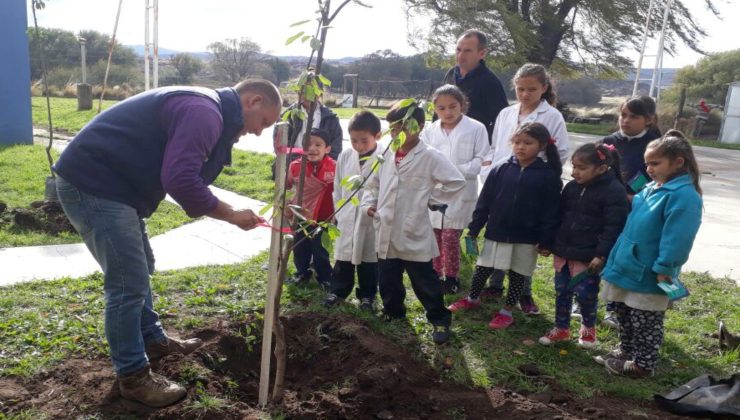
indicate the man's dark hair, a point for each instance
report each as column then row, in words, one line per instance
column 396, row 114
column 365, row 121
column 261, row 87
column 322, row 134
column 482, row 41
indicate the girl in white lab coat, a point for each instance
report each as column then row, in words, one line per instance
column 465, row 142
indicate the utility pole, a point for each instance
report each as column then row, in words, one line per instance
column 659, row 58
column 152, row 10
column 83, row 53
column 84, row 90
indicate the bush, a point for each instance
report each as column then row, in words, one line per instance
column 582, row 91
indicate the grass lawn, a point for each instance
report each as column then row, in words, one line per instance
column 64, row 113
column 22, row 184
column 595, row 129
column 715, row 144
column 44, row 322
column 250, row 174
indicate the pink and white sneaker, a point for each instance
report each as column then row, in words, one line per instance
column 555, row 335
column 463, row 304
column 587, row 339
column 500, row 321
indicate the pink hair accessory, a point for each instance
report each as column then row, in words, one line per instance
column 600, row 154
column 551, row 140
column 610, row 147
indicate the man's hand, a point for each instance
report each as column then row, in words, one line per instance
column 245, row 219
column 596, row 265
column 371, row 211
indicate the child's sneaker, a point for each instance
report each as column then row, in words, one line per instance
column 493, row 293
column 331, row 300
column 614, row 354
column 575, row 312
column 587, row 339
column 299, row 280
column 555, row 335
column 366, row 305
column 627, row 368
column 610, row 320
column 441, row 334
column 463, row 304
column 528, row 306
column 501, row 321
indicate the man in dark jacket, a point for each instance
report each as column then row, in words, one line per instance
column 113, row 175
column 483, row 89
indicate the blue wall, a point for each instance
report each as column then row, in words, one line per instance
column 15, row 75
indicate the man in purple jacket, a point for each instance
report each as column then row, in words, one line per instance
column 114, row 174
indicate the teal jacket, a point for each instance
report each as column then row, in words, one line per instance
column 658, row 236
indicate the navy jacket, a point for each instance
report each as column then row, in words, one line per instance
column 592, row 217
column 519, row 205
column 632, row 153
column 484, row 92
column 118, row 155
column 329, row 123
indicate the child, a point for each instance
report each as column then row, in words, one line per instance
column 317, row 204
column 636, row 129
column 465, row 142
column 355, row 247
column 398, row 196
column 536, row 98
column 655, row 243
column 594, row 208
column 520, row 202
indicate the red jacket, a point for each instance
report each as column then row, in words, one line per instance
column 317, row 188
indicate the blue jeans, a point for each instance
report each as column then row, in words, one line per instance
column 116, row 236
column 586, row 293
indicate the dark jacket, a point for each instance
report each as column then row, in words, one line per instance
column 592, row 217
column 520, row 205
column 118, row 155
column 329, row 123
column 632, row 153
column 484, row 92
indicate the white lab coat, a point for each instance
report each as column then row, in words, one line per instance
column 467, row 147
column 401, row 194
column 356, row 241
column 507, row 123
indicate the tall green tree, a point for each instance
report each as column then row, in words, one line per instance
column 572, row 34
column 234, row 59
column 708, row 78
column 187, row 66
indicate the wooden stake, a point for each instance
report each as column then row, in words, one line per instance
column 275, row 251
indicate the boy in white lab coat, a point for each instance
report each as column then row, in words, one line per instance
column 398, row 196
column 355, row 247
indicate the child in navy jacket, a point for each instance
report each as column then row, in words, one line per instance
column 519, row 204
column 593, row 209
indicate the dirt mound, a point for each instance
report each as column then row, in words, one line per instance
column 42, row 216
column 337, row 368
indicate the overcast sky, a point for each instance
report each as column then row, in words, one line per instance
column 190, row 25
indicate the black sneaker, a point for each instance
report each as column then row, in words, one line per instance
column 450, row 286
column 298, row 280
column 366, row 305
column 332, row 300
column 441, row 334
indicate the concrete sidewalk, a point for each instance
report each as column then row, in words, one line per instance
column 203, row 242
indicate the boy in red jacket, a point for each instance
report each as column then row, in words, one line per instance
column 317, row 206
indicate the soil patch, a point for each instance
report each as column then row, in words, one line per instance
column 337, row 368
column 42, row 216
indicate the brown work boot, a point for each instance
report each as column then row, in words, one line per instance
column 150, row 388
column 158, row 349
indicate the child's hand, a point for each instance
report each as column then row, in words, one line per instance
column 371, row 211
column 544, row 252
column 596, row 265
column 663, row 277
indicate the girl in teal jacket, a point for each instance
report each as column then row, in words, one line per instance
column 655, row 243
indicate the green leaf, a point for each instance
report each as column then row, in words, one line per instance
column 299, row 23
column 315, row 44
column 293, row 38
column 324, row 80
column 406, row 102
column 305, row 38
column 298, row 113
column 333, row 232
column 409, row 113
column 325, row 241
column 265, row 209
column 341, row 202
column 362, row 159
column 355, row 201
column 316, row 88
column 401, row 138
column 412, row 126
column 354, row 182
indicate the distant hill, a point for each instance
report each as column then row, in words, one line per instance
column 167, row 52
column 646, row 74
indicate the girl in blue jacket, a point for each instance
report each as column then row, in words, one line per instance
column 655, row 243
column 519, row 207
